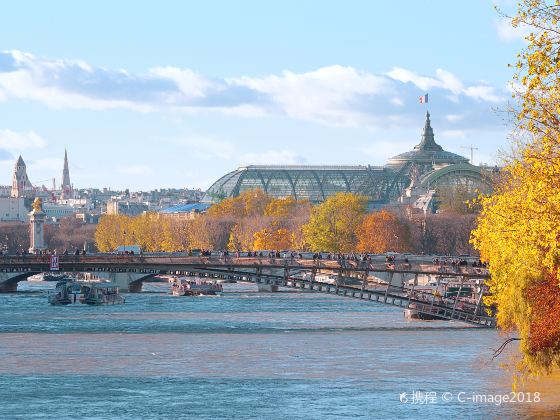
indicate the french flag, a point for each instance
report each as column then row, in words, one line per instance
column 424, row 99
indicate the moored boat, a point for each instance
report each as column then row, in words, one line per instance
column 66, row 292
column 195, row 288
column 69, row 292
column 102, row 294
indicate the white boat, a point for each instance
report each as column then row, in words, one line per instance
column 326, row 278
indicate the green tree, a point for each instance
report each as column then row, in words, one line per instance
column 332, row 225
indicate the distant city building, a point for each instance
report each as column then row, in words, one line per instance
column 13, row 209
column 90, row 203
column 410, row 175
column 126, row 207
column 66, row 190
column 88, row 218
column 54, row 212
column 21, row 187
column 186, row 211
column 5, row 190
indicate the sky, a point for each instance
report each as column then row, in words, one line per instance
column 172, row 94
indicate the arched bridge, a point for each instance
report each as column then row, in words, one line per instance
column 431, row 291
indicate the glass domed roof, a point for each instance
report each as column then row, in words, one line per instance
column 427, row 152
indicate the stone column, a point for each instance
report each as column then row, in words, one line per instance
column 36, row 222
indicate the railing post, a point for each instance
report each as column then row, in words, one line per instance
column 457, row 297
column 411, row 292
column 478, row 303
column 366, row 274
column 388, row 285
column 434, row 294
column 258, row 274
column 313, row 273
column 338, row 280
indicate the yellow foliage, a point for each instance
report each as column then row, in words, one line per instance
column 279, row 239
column 518, row 231
column 333, row 223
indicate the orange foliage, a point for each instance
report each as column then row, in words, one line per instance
column 382, row 231
column 544, row 327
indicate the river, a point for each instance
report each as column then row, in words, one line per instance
column 244, row 355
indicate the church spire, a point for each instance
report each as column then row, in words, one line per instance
column 428, row 142
column 66, row 187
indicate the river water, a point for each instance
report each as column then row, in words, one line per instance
column 243, row 355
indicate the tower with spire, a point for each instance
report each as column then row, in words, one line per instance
column 427, row 141
column 426, row 155
column 66, row 187
column 21, row 187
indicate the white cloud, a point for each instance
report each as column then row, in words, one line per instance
column 190, row 83
column 272, row 157
column 454, row 118
column 407, row 76
column 334, row 95
column 449, row 81
column 323, row 95
column 484, row 93
column 14, row 141
column 137, row 170
column 506, row 32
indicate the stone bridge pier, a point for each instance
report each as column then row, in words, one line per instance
column 397, row 279
column 127, row 282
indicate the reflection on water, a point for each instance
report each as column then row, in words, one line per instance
column 241, row 355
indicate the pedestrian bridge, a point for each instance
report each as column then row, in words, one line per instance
column 443, row 291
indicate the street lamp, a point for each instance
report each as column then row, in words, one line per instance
column 265, row 238
column 124, row 234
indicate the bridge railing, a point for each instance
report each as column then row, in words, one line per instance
column 333, row 264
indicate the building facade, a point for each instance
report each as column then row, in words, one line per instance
column 13, row 209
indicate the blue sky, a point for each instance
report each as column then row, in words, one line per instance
column 176, row 93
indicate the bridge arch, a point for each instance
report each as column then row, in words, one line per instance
column 9, row 281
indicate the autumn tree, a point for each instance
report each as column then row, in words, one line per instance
column 382, row 231
column 519, row 227
column 111, row 232
column 284, row 219
column 241, row 216
column 176, row 234
column 332, row 225
column 68, row 234
column 458, row 199
column 209, row 232
column 14, row 236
